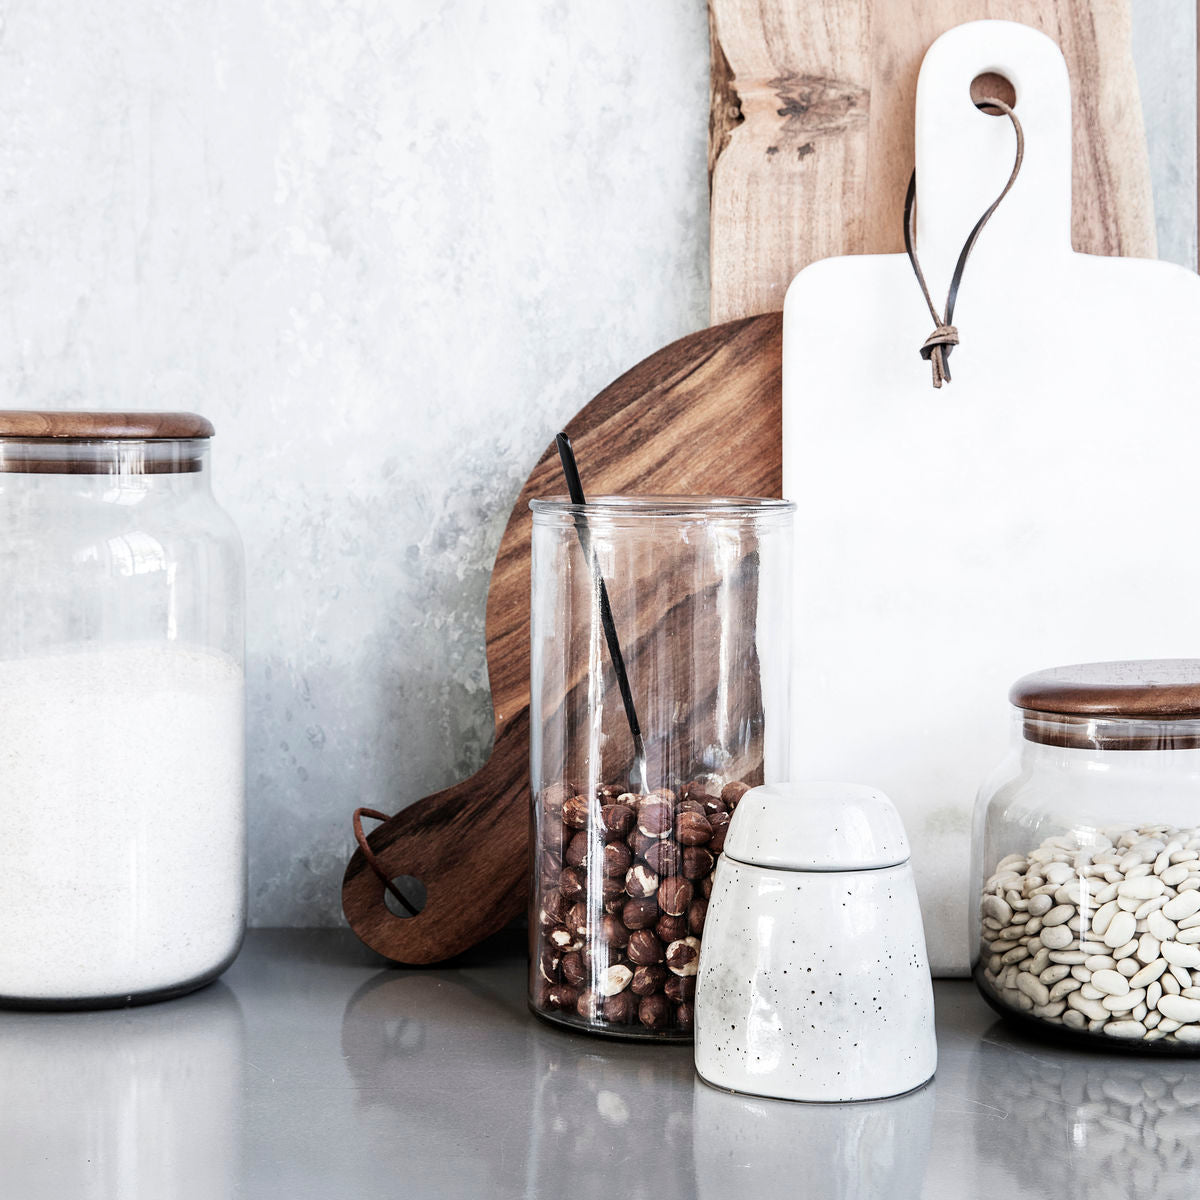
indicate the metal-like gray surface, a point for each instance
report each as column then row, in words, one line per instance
column 312, row 1071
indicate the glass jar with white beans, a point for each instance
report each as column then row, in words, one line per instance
column 1085, row 921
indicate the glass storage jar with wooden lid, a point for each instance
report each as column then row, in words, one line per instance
column 122, row 797
column 1085, row 919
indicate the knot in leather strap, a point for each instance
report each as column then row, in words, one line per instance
column 936, row 351
column 943, row 335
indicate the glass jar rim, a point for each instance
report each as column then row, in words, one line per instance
column 1075, row 731
column 657, row 506
column 103, row 456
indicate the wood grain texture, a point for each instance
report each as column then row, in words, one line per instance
column 1154, row 688
column 141, row 426
column 818, row 162
column 701, row 416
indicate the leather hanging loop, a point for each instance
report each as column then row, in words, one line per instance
column 373, row 861
column 936, row 348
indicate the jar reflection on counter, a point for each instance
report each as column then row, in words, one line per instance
column 122, row 792
column 700, row 597
column 1087, row 852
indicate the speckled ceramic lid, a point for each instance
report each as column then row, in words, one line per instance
column 817, row 827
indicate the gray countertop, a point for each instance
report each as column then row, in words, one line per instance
column 313, row 1070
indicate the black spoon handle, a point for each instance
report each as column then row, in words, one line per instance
column 575, row 490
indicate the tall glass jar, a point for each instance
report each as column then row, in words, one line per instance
column 625, row 845
column 1086, row 917
column 122, row 795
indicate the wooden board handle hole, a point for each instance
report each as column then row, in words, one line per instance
column 413, row 890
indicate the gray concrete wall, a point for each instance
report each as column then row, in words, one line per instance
column 388, row 248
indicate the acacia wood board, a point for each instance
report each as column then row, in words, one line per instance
column 701, row 416
column 811, row 131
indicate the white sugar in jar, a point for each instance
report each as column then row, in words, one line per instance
column 122, row 777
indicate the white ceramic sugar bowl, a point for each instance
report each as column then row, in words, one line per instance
column 814, row 982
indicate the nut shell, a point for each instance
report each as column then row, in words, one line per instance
column 692, row 829
column 720, row 827
column 680, row 987
column 562, row 939
column 577, row 812
column 615, row 979
column 573, row 970
column 664, row 857
column 644, row 948
column 648, row 980
column 577, row 918
column 553, row 834
column 683, row 957
column 553, row 797
column 640, row 913
column 548, row 961
column 654, row 817
column 703, row 788
column 576, row 854
column 671, row 929
column 697, row 862
column 553, row 910
column 613, row 895
column 674, row 895
column 620, row 1009
column 640, row 843
column 618, row 820
column 641, row 881
column 613, row 931
column 562, row 995
column 617, row 858
column 732, row 792
column 570, row 883
column 588, row 1006
column 654, row 1011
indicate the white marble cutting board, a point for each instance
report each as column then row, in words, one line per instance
column 1038, row 510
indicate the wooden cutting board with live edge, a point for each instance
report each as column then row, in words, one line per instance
column 703, row 415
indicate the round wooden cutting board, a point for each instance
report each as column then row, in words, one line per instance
column 701, row 416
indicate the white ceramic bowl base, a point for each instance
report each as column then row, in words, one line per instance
column 814, row 985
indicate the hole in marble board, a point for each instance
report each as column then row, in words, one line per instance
column 412, row 889
column 990, row 86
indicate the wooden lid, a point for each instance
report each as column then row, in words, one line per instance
column 1143, row 689
column 104, row 426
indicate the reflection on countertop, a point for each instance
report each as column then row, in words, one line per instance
column 133, row 1103
column 314, row 1070
column 1129, row 1126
